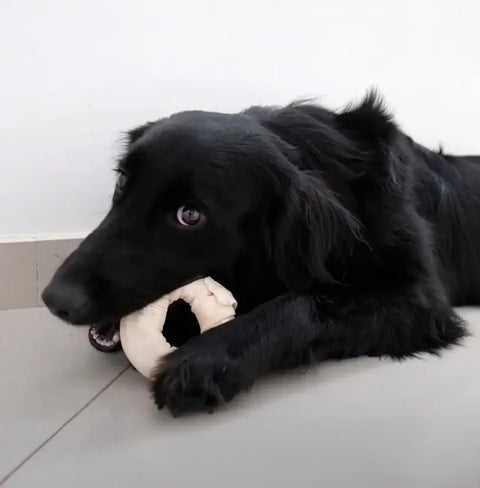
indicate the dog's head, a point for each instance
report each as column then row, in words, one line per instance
column 201, row 194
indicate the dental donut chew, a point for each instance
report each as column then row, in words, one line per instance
column 141, row 332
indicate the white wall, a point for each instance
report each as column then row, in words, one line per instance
column 75, row 74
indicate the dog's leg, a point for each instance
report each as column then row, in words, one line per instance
column 292, row 330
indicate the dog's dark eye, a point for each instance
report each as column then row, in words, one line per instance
column 121, row 180
column 188, row 215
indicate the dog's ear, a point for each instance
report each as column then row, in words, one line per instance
column 311, row 229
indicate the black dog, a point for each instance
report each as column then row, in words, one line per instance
column 338, row 235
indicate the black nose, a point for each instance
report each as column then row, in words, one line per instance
column 66, row 300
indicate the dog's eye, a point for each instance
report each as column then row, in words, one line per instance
column 121, row 180
column 188, row 215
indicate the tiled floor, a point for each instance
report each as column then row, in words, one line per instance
column 72, row 417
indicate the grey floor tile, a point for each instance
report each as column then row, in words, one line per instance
column 48, row 371
column 362, row 423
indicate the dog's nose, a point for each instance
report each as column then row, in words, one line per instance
column 66, row 300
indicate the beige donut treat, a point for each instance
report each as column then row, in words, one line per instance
column 141, row 332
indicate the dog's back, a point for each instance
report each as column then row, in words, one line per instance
column 446, row 188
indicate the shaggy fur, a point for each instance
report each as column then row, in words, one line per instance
column 338, row 235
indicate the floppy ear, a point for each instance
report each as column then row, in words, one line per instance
column 311, row 230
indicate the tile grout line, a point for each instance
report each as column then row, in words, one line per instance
column 57, row 431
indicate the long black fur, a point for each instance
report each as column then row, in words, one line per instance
column 338, row 234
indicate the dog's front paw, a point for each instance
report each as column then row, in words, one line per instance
column 198, row 379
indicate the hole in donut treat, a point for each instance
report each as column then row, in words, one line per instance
column 180, row 324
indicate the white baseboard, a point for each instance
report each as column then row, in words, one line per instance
column 26, row 265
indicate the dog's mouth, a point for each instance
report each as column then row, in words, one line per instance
column 180, row 325
column 105, row 337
